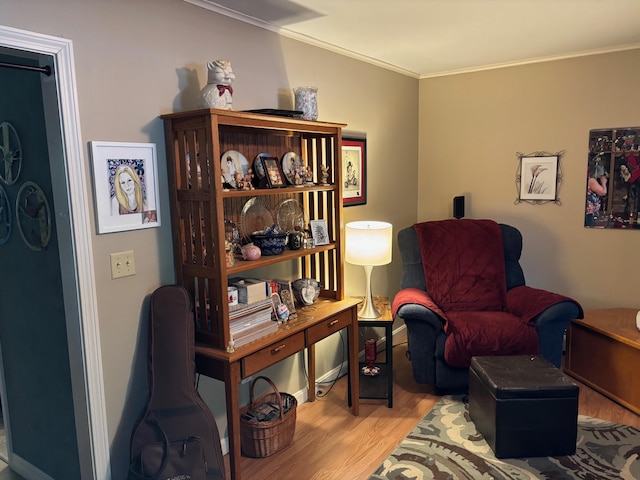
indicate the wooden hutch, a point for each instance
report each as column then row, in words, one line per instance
column 196, row 141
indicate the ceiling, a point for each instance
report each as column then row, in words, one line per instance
column 425, row 38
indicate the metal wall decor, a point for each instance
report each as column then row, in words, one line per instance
column 10, row 154
column 538, row 177
column 33, row 216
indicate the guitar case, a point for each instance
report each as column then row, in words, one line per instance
column 176, row 436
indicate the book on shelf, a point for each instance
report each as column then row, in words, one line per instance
column 246, row 336
column 242, row 309
column 248, row 321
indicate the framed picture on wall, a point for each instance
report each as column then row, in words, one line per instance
column 125, row 177
column 538, row 177
column 354, row 171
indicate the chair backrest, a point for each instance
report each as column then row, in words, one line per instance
column 413, row 271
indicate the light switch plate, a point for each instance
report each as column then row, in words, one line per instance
column 122, row 264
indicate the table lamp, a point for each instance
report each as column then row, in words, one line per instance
column 368, row 243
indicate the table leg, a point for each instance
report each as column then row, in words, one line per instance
column 311, row 366
column 232, row 379
column 389, row 344
column 354, row 376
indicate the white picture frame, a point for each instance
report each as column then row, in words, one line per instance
column 319, row 232
column 134, row 167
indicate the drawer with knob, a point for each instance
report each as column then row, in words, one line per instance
column 272, row 354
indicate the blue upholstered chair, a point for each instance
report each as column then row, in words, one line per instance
column 426, row 321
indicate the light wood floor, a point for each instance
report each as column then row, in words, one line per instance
column 330, row 443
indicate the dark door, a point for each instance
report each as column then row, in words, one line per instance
column 33, row 334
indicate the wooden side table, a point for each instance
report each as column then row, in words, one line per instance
column 603, row 351
column 381, row 385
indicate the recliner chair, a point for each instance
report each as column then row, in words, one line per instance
column 463, row 293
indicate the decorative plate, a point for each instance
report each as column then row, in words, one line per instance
column 291, row 162
column 10, row 154
column 231, row 163
column 290, row 216
column 257, row 165
column 255, row 217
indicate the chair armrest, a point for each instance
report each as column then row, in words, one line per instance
column 412, row 312
column 528, row 302
column 551, row 325
column 424, row 327
column 415, row 296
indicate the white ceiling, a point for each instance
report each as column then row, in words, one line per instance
column 427, row 38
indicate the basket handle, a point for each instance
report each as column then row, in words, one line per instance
column 275, row 389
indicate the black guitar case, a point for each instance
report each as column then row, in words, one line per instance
column 176, row 436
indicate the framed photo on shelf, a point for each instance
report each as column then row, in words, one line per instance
column 273, row 172
column 319, row 232
column 125, row 177
column 354, row 171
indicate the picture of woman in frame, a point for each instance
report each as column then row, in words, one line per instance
column 128, row 195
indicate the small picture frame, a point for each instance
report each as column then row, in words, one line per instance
column 126, row 186
column 319, row 232
column 285, row 292
column 273, row 172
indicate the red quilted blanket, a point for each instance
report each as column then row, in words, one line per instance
column 464, row 270
column 463, row 264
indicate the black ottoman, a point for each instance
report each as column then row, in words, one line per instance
column 523, row 406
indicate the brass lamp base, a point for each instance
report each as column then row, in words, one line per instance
column 368, row 309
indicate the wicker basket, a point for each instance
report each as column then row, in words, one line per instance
column 264, row 438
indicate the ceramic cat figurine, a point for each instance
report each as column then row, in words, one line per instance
column 218, row 91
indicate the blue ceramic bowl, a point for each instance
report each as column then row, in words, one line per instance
column 272, row 244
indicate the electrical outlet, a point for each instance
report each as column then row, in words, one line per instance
column 122, row 264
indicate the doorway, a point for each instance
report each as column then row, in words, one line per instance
column 82, row 375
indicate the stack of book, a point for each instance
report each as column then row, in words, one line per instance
column 248, row 322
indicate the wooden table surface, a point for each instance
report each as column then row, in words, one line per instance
column 616, row 323
column 603, row 352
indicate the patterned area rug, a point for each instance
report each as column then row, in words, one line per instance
column 446, row 445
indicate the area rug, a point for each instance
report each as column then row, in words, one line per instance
column 446, row 445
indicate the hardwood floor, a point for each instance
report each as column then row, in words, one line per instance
column 330, row 443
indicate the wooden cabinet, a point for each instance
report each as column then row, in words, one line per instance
column 200, row 205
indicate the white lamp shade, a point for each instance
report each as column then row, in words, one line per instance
column 368, row 243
